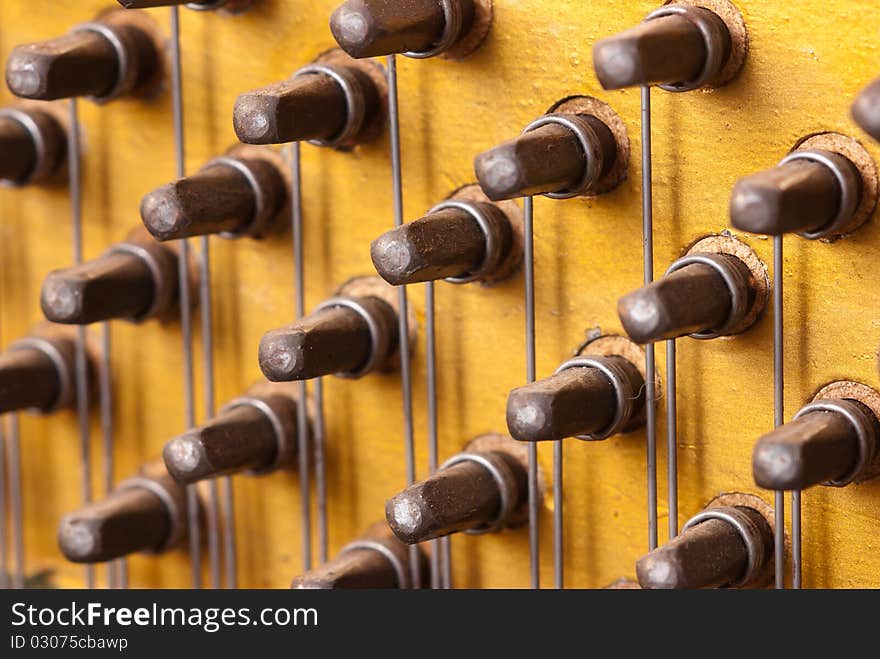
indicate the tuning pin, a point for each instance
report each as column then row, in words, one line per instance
column 375, row 560
column 719, row 547
column 146, row 513
column 589, row 397
column 234, row 195
column 476, row 491
column 256, row 433
column 679, row 47
column 812, row 192
column 37, row 373
column 866, row 109
column 33, row 145
column 335, row 101
column 459, row 241
column 346, row 336
column 105, row 59
column 832, row 441
column 560, row 155
column 135, row 280
column 227, row 6
column 702, row 295
column 416, row 28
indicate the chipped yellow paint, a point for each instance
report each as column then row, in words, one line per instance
column 808, row 60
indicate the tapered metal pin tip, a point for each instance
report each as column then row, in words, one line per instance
column 798, row 196
column 306, row 107
column 576, row 401
column 128, row 521
column 693, row 299
column 118, row 285
column 866, row 109
column 819, row 446
column 369, row 28
column 546, row 159
column 185, row 458
column 711, row 552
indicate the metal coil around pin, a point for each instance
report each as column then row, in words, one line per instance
column 207, row 5
column 865, row 433
column 176, row 523
column 492, row 254
column 591, row 147
column 748, row 531
column 403, row 581
column 848, row 180
column 714, row 33
column 736, row 285
column 163, row 294
column 261, row 217
column 504, row 478
column 42, row 167
column 126, row 75
column 355, row 103
column 65, row 377
column 379, row 339
column 284, row 447
column 453, row 20
column 624, row 395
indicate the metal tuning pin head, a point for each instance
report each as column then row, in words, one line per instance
column 234, row 195
column 727, row 546
column 33, row 145
column 477, row 491
column 679, row 47
column 460, row 241
column 37, row 373
column 146, row 513
column 375, row 560
column 560, row 155
column 832, row 442
column 702, row 295
column 814, row 193
column 229, row 6
column 256, row 433
column 589, row 397
column 335, row 101
column 866, row 109
column 135, row 280
column 419, row 28
column 104, row 59
column 346, row 336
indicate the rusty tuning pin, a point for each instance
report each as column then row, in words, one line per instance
column 241, row 193
column 349, row 335
column 415, row 28
column 375, row 560
column 228, row 6
column 256, row 433
column 590, row 397
column 475, row 491
column 833, row 441
column 146, row 513
column 866, row 109
column 135, row 280
column 37, row 373
column 812, row 192
column 105, row 59
column 679, row 47
column 335, row 101
column 560, row 155
column 724, row 546
column 457, row 240
column 33, row 144
column 702, row 295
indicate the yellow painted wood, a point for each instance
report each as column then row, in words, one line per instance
column 808, row 60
